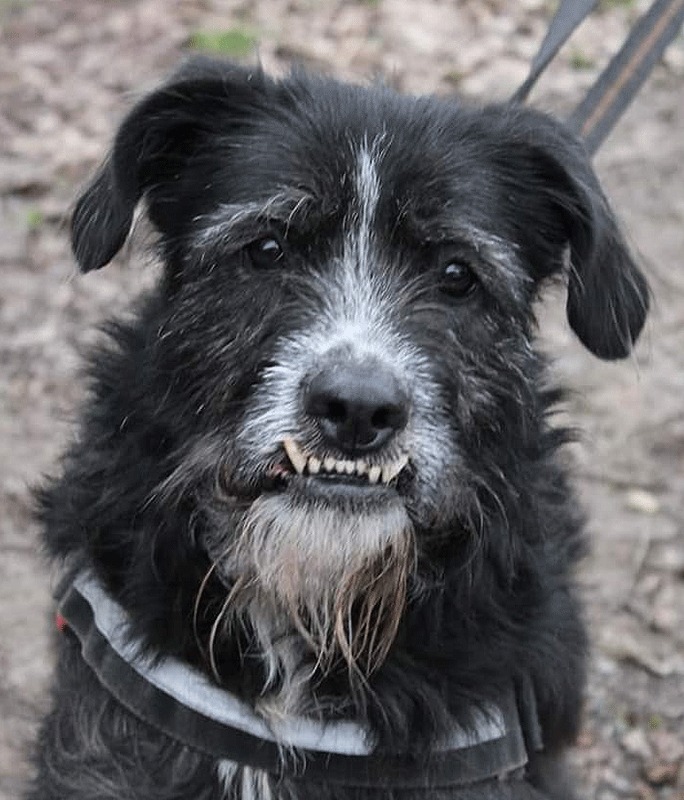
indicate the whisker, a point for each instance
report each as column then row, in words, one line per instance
column 212, row 638
column 196, row 605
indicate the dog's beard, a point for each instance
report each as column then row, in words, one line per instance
column 338, row 577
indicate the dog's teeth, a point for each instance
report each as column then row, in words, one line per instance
column 392, row 470
column 297, row 458
column 314, row 465
column 374, row 474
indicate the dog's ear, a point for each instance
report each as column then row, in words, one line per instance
column 608, row 297
column 152, row 148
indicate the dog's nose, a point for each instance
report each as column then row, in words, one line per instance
column 358, row 406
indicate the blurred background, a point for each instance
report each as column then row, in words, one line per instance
column 68, row 71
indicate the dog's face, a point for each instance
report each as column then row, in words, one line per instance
column 345, row 333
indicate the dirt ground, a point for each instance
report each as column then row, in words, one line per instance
column 69, row 68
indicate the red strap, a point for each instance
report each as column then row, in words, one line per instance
column 60, row 622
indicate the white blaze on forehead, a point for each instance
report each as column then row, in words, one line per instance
column 358, row 294
column 367, row 197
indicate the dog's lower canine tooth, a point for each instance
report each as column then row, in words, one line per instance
column 297, row 458
column 374, row 474
column 314, row 465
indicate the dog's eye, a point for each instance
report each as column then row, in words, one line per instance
column 458, row 279
column 265, row 253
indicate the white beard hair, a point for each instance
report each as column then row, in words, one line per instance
column 316, row 584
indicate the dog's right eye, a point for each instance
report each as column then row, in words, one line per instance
column 458, row 279
column 265, row 253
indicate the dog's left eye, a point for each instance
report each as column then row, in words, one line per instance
column 265, row 253
column 458, row 279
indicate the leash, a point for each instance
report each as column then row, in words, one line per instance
column 179, row 700
column 570, row 14
column 616, row 86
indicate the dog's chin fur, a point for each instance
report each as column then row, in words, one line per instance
column 337, row 577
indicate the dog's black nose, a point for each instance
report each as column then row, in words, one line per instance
column 358, row 406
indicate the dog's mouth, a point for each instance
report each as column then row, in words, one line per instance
column 325, row 474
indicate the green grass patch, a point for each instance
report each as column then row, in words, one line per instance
column 580, row 61
column 454, row 77
column 34, row 219
column 606, row 5
column 655, row 722
column 9, row 7
column 233, row 42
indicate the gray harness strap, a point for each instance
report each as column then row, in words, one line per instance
column 180, row 701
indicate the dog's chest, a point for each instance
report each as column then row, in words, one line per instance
column 243, row 783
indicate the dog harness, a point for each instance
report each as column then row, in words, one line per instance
column 177, row 699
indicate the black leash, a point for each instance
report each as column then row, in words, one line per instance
column 568, row 17
column 596, row 115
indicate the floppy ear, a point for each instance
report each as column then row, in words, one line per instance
column 608, row 297
column 151, row 150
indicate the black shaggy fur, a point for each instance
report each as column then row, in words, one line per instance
column 256, row 190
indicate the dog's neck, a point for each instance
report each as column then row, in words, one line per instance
column 287, row 662
column 317, row 593
column 289, row 676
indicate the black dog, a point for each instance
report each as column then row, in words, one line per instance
column 317, row 538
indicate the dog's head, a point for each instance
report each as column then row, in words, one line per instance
column 345, row 327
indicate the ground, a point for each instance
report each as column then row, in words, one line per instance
column 69, row 68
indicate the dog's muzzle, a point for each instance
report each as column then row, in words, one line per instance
column 358, row 406
column 354, row 413
column 358, row 410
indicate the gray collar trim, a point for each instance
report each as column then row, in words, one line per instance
column 179, row 699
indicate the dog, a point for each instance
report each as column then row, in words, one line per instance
column 316, row 535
